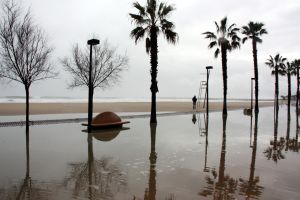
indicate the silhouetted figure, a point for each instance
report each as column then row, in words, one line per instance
column 194, row 99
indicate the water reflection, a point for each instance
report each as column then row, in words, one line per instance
column 150, row 192
column 95, row 179
column 250, row 188
column 274, row 151
column 194, row 119
column 27, row 188
column 206, row 169
column 220, row 186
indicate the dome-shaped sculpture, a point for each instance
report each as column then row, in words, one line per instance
column 106, row 120
column 106, row 117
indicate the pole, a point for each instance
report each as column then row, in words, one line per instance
column 91, row 87
column 207, row 79
column 207, row 105
column 90, row 105
column 251, row 94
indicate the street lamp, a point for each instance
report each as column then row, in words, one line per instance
column 252, row 79
column 208, row 68
column 91, row 42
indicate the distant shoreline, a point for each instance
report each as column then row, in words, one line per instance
column 10, row 109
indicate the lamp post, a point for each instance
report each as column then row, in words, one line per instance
column 208, row 68
column 252, row 79
column 91, row 42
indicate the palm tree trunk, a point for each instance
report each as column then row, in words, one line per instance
column 27, row 107
column 289, row 96
column 224, row 71
column 255, row 74
column 154, row 63
column 297, row 102
column 276, row 88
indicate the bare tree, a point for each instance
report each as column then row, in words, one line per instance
column 106, row 67
column 24, row 51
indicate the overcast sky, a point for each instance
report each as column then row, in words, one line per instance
column 180, row 67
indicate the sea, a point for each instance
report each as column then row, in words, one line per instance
column 53, row 99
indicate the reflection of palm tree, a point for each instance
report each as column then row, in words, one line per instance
column 101, row 178
column 225, row 186
column 226, row 40
column 274, row 151
column 250, row 187
column 290, row 144
column 150, row 192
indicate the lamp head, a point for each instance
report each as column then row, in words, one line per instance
column 93, row 42
column 209, row 67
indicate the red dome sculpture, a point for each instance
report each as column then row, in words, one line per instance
column 106, row 120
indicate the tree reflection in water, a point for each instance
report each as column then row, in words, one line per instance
column 274, row 151
column 96, row 179
column 28, row 188
column 150, row 191
column 250, row 188
column 220, row 186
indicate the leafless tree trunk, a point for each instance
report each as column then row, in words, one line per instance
column 24, row 52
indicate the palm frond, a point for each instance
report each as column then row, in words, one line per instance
column 210, row 35
column 212, row 44
column 166, row 10
column 139, row 20
column 140, row 8
column 171, row 36
column 244, row 39
column 223, row 25
column 217, row 27
column 138, row 33
column 165, row 24
column 217, row 52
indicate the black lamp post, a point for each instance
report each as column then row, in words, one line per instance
column 208, row 68
column 252, row 79
column 91, row 89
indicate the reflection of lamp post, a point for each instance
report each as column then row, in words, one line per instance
column 252, row 79
column 90, row 106
column 207, row 78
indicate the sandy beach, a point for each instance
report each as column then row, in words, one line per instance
column 7, row 109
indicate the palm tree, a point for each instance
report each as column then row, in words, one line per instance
column 288, row 70
column 276, row 63
column 296, row 67
column 253, row 31
column 152, row 20
column 225, row 39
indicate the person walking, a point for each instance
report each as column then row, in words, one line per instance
column 194, row 99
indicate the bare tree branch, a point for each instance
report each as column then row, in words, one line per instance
column 107, row 66
column 24, row 52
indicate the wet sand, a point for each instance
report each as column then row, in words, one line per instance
column 64, row 108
